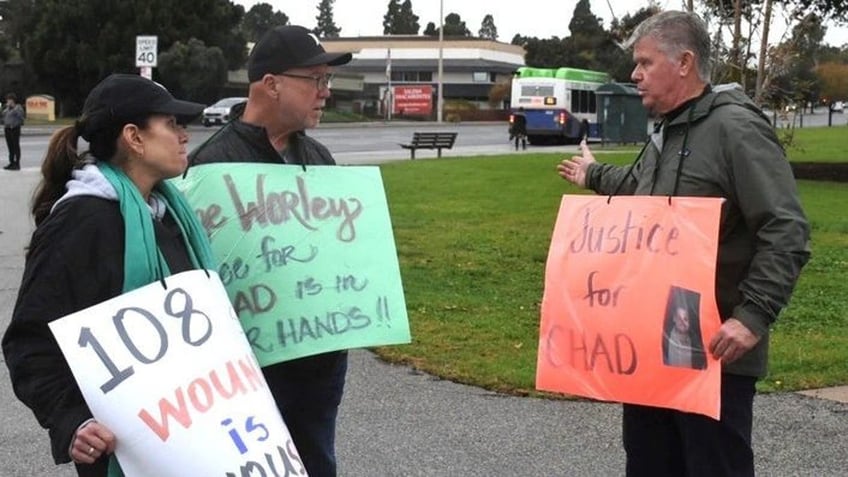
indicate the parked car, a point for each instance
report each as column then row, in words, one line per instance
column 219, row 113
column 837, row 106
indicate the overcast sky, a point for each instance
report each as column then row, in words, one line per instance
column 539, row 18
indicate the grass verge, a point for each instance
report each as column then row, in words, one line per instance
column 472, row 236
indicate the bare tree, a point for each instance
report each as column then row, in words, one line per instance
column 761, row 59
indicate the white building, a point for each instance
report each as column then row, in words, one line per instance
column 470, row 68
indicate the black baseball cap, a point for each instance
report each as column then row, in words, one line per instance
column 287, row 47
column 125, row 97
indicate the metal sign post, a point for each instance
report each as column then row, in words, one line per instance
column 146, row 54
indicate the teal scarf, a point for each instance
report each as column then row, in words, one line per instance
column 143, row 261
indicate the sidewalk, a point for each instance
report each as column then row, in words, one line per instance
column 395, row 421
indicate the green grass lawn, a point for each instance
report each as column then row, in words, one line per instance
column 819, row 145
column 472, row 236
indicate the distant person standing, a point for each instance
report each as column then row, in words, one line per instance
column 518, row 129
column 13, row 119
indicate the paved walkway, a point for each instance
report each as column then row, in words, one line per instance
column 395, row 421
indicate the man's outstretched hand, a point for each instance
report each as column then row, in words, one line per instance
column 574, row 169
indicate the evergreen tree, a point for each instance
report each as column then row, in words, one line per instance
column 16, row 18
column 431, row 29
column 544, row 53
column 178, row 69
column 261, row 18
column 583, row 22
column 488, row 29
column 454, row 26
column 326, row 27
column 587, row 39
column 71, row 46
column 407, row 21
column 400, row 19
column 806, row 41
column 390, row 17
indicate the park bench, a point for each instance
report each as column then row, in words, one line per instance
column 430, row 140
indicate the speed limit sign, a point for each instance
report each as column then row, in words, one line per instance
column 145, row 51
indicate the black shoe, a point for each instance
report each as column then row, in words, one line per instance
column 13, row 167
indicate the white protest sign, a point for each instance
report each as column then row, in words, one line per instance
column 146, row 51
column 170, row 372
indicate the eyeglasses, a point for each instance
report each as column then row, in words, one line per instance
column 321, row 81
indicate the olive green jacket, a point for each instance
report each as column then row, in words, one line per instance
column 723, row 146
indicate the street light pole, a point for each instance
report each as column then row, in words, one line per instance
column 389, row 104
column 439, row 104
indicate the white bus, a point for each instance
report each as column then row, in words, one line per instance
column 558, row 103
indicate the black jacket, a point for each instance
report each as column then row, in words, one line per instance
column 239, row 141
column 75, row 260
column 731, row 151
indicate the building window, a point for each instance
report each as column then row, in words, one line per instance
column 412, row 76
column 480, row 77
column 536, row 90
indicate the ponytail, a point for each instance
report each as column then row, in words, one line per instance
column 62, row 158
column 56, row 169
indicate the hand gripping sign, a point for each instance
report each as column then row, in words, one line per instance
column 629, row 302
column 170, row 373
column 307, row 256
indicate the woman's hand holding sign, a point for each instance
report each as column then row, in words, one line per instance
column 574, row 169
column 92, row 441
column 732, row 341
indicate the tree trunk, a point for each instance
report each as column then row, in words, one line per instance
column 761, row 61
column 690, row 7
column 737, row 38
column 747, row 54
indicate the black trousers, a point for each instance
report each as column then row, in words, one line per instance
column 13, row 142
column 669, row 443
column 308, row 392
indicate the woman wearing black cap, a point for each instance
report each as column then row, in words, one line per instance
column 106, row 223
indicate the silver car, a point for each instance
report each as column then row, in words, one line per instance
column 219, row 113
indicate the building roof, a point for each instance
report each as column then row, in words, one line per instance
column 370, row 65
column 356, row 44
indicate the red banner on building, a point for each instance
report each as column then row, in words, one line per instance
column 413, row 100
column 629, row 304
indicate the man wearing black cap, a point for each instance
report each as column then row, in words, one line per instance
column 289, row 73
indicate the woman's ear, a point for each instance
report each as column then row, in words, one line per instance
column 131, row 136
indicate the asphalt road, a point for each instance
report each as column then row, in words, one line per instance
column 373, row 143
column 395, row 421
column 369, row 143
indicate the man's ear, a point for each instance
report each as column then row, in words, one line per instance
column 687, row 63
column 269, row 83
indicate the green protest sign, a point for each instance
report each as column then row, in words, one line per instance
column 307, row 256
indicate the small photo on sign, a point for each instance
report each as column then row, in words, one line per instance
column 682, row 345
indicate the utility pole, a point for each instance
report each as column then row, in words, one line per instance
column 389, row 96
column 439, row 101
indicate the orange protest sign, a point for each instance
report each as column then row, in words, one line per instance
column 629, row 303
